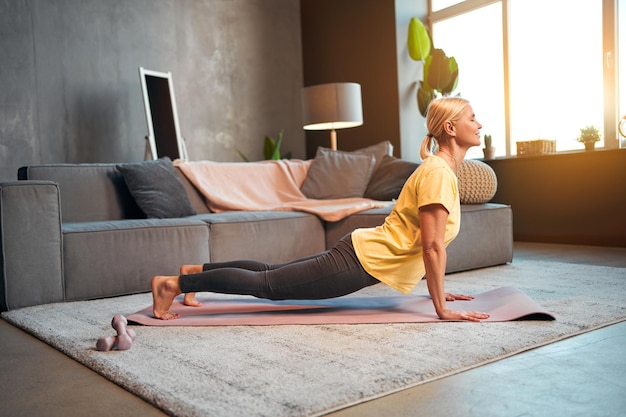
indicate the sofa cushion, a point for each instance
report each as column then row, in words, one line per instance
column 368, row 218
column 338, row 174
column 379, row 150
column 111, row 258
column 266, row 236
column 477, row 182
column 485, row 238
column 156, row 188
column 388, row 180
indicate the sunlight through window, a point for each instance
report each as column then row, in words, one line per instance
column 555, row 70
column 555, row 79
column 477, row 49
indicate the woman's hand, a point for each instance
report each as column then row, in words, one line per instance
column 462, row 315
column 452, row 297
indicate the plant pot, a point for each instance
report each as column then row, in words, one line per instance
column 590, row 146
column 490, row 152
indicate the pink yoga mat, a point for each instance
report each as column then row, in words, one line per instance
column 503, row 304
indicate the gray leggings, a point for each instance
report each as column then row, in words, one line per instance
column 333, row 273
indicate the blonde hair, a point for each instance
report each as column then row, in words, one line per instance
column 440, row 111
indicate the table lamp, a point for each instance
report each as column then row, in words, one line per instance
column 332, row 106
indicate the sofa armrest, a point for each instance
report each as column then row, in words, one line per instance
column 31, row 245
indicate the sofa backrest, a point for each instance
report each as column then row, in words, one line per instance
column 95, row 191
column 89, row 192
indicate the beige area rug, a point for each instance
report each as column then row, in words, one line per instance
column 309, row 370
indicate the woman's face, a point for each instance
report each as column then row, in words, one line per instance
column 467, row 129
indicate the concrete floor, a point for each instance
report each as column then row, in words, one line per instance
column 580, row 376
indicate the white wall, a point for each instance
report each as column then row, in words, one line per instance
column 412, row 124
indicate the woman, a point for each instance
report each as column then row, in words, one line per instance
column 408, row 246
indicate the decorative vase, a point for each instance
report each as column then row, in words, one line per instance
column 490, row 152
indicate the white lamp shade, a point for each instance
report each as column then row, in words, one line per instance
column 332, row 106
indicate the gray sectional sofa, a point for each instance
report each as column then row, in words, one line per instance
column 74, row 232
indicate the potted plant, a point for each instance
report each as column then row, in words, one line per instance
column 440, row 72
column 589, row 135
column 489, row 150
column 271, row 149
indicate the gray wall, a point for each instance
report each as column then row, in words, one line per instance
column 69, row 83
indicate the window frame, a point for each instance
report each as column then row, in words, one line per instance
column 610, row 64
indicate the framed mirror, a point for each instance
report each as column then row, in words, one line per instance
column 164, row 137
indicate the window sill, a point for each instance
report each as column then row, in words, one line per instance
column 555, row 154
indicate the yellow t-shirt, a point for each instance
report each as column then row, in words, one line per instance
column 392, row 252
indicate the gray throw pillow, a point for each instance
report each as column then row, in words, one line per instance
column 389, row 178
column 156, row 188
column 338, row 174
column 379, row 150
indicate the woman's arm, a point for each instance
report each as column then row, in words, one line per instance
column 433, row 220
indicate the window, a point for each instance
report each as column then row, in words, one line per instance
column 529, row 74
column 477, row 49
column 442, row 4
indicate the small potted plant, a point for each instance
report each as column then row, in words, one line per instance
column 589, row 135
column 489, row 150
column 271, row 149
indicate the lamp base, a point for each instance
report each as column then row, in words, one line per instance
column 333, row 140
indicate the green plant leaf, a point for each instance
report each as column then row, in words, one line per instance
column 269, row 146
column 418, row 40
column 245, row 158
column 437, row 71
column 589, row 134
column 426, row 71
column 425, row 95
column 276, row 154
column 454, row 77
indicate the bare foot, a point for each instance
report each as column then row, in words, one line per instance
column 190, row 300
column 164, row 289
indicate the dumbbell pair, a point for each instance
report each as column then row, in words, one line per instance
column 123, row 340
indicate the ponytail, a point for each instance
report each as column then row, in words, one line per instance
column 428, row 146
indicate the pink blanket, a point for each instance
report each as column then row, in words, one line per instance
column 265, row 185
column 503, row 304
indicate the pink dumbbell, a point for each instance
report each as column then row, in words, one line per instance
column 123, row 340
